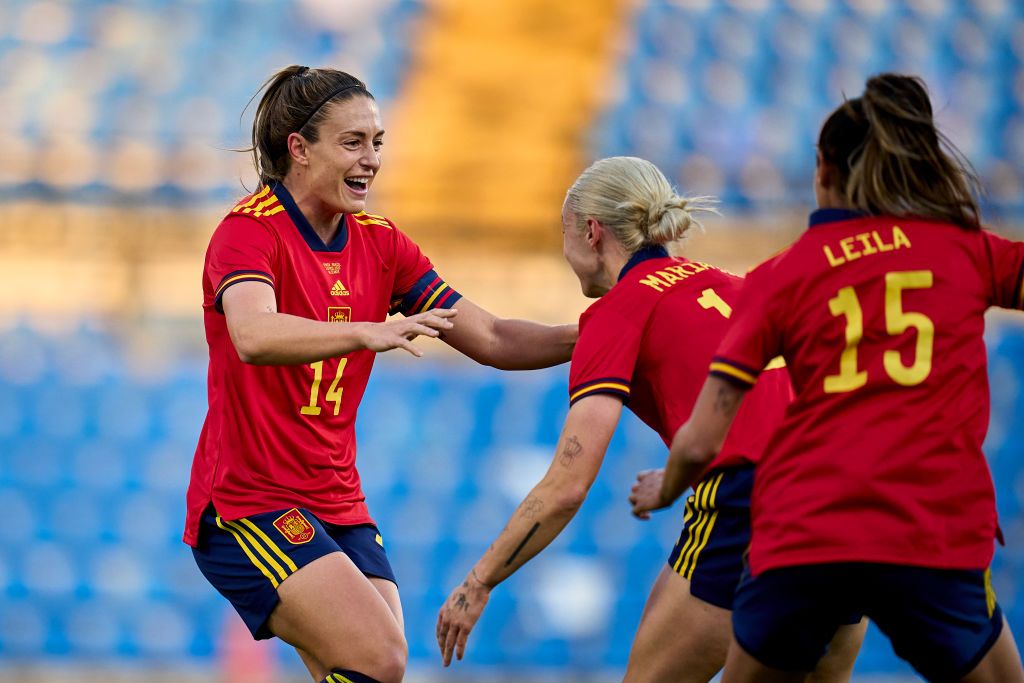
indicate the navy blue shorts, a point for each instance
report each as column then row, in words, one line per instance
column 942, row 621
column 711, row 549
column 247, row 559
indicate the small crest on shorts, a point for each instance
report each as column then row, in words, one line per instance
column 295, row 527
column 380, row 541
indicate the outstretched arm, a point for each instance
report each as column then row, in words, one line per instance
column 509, row 344
column 263, row 336
column 694, row 447
column 537, row 521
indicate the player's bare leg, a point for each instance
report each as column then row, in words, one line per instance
column 740, row 667
column 698, row 631
column 339, row 619
column 1002, row 664
column 837, row 664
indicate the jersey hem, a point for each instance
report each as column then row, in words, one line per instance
column 795, row 559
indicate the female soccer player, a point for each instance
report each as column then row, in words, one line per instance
column 874, row 495
column 298, row 283
column 646, row 342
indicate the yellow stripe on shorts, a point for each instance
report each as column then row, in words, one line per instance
column 252, row 558
column 259, row 548
column 692, row 507
column 270, row 544
column 706, row 497
column 990, row 593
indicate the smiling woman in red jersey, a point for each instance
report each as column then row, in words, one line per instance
column 298, row 283
column 874, row 495
column 646, row 343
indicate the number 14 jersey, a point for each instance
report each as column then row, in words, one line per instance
column 282, row 436
column 880, row 320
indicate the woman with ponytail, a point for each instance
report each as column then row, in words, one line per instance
column 298, row 283
column 646, row 343
column 874, row 496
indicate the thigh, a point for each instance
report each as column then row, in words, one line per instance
column 943, row 622
column 332, row 612
column 785, row 618
column 248, row 559
column 389, row 591
column 837, row 664
column 681, row 638
column 1001, row 664
column 742, row 667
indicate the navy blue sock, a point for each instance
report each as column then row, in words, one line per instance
column 348, row 676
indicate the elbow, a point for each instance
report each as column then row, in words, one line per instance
column 571, row 498
column 698, row 455
column 250, row 356
column 248, row 347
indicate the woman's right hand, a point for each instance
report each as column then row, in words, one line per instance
column 399, row 333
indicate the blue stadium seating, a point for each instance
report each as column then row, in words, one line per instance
column 747, row 86
column 93, row 569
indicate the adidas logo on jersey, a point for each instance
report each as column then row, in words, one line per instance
column 339, row 289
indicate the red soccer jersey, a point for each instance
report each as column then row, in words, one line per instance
column 282, row 436
column 649, row 341
column 880, row 321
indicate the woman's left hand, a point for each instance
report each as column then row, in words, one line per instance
column 459, row 615
column 646, row 495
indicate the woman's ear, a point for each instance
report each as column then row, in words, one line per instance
column 297, row 149
column 594, row 233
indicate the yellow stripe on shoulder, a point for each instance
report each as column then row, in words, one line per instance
column 776, row 363
column 364, row 218
column 733, row 372
column 251, row 200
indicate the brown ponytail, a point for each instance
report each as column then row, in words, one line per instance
column 294, row 100
column 891, row 159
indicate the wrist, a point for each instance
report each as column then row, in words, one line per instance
column 362, row 333
column 474, row 580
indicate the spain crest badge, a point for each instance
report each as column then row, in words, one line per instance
column 295, row 527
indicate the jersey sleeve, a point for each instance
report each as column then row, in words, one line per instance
column 605, row 357
column 753, row 338
column 242, row 249
column 1006, row 266
column 418, row 287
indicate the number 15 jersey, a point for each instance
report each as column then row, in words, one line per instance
column 879, row 459
column 282, row 436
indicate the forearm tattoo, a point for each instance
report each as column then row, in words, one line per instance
column 531, row 507
column 522, row 545
column 570, row 452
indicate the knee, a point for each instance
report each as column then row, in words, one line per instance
column 390, row 661
column 385, row 662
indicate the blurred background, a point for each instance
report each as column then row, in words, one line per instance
column 118, row 122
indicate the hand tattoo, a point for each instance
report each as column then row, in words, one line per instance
column 572, row 449
column 461, row 602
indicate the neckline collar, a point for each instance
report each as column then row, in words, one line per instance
column 644, row 254
column 305, row 228
column 823, row 216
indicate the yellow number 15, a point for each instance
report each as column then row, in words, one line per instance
column 897, row 321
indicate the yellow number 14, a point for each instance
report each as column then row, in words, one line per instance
column 333, row 394
column 897, row 321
